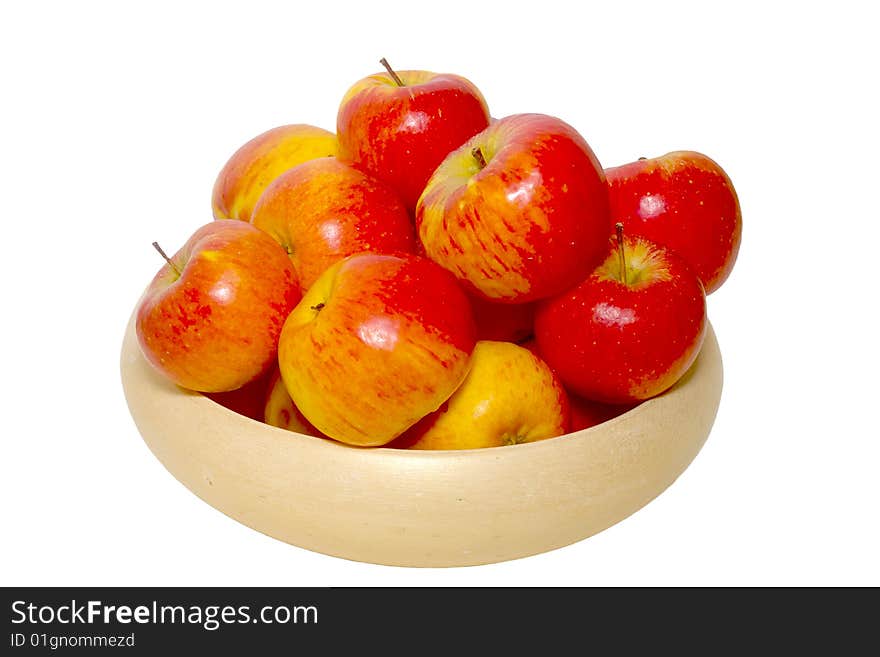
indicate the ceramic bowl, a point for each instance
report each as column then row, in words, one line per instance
column 423, row 508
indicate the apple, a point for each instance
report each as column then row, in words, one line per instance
column 279, row 410
column 532, row 345
column 378, row 342
column 630, row 330
column 686, row 202
column 510, row 396
column 398, row 126
column 211, row 317
column 323, row 210
column 258, row 162
column 585, row 413
column 248, row 400
column 506, row 322
column 519, row 212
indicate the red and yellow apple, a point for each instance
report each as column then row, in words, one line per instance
column 258, row 162
column 211, row 317
column 510, row 396
column 323, row 210
column 630, row 330
column 378, row 342
column 686, row 202
column 519, row 212
column 279, row 410
column 399, row 127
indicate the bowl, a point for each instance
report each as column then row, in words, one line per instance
column 423, row 508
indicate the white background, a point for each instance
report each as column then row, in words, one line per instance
column 117, row 118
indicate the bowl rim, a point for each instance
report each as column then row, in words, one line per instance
column 427, row 453
column 200, row 399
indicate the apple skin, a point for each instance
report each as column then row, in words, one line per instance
column 510, row 396
column 531, row 224
column 505, row 322
column 621, row 343
column 278, row 410
column 215, row 327
column 257, row 163
column 685, row 201
column 378, row 342
column 400, row 134
column 585, row 413
column 323, row 210
column 248, row 400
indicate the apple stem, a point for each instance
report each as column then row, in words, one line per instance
column 167, row 259
column 478, row 156
column 317, row 307
column 391, row 72
column 619, row 228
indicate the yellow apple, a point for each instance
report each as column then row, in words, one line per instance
column 260, row 161
column 510, row 396
column 280, row 411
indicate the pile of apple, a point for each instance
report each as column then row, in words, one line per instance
column 432, row 278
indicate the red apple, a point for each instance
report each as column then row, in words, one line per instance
column 378, row 342
column 248, row 400
column 323, row 210
column 620, row 338
column 519, row 212
column 684, row 201
column 508, row 322
column 399, row 126
column 586, row 413
column 211, row 317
